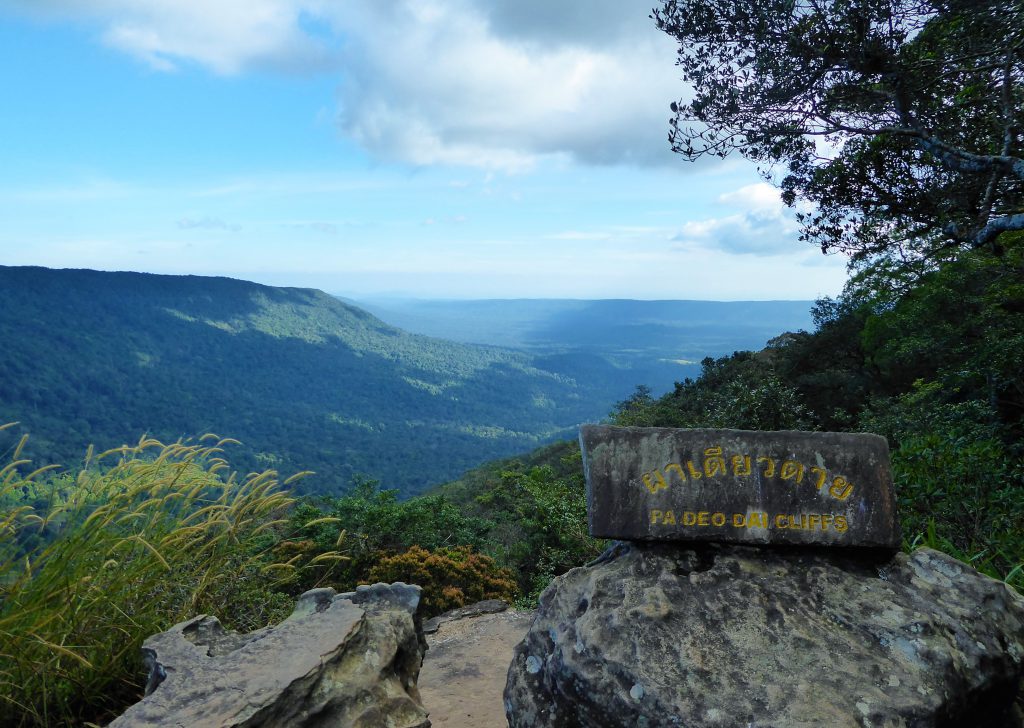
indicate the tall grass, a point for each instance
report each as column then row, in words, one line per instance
column 146, row 536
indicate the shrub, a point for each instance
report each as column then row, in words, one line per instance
column 372, row 522
column 965, row 498
column 450, row 577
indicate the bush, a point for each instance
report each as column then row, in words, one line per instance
column 965, row 498
column 554, row 512
column 450, row 577
column 127, row 552
column 535, row 509
column 373, row 523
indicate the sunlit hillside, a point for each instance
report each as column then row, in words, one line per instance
column 302, row 379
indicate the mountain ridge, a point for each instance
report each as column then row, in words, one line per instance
column 303, row 379
column 103, row 357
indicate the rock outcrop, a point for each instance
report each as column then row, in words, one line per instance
column 339, row 660
column 715, row 635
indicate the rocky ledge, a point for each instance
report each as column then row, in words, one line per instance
column 714, row 635
column 339, row 660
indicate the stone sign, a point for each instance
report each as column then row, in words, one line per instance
column 662, row 484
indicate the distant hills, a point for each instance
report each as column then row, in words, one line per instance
column 648, row 342
column 305, row 380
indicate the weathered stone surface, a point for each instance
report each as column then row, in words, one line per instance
column 724, row 635
column 652, row 484
column 487, row 606
column 339, row 660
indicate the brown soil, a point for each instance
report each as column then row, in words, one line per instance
column 463, row 674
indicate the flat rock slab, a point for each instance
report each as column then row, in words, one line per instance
column 739, row 486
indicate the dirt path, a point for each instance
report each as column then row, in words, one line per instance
column 463, row 674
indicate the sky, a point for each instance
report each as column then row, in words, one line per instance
column 369, row 148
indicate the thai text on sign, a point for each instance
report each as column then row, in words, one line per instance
column 741, row 486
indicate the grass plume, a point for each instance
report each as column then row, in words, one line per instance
column 142, row 537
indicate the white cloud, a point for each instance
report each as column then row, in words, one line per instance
column 763, row 226
column 494, row 84
column 761, row 196
column 449, row 84
column 206, row 223
column 225, row 36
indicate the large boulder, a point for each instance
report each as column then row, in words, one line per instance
column 339, row 660
column 715, row 635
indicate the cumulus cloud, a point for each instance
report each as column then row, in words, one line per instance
column 500, row 86
column 763, row 225
column 496, row 84
column 226, row 36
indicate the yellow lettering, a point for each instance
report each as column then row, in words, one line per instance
column 694, row 473
column 780, row 520
column 792, row 469
column 821, row 476
column 718, row 519
column 689, row 518
column 826, row 519
column 841, row 524
column 670, row 518
column 655, row 485
column 675, row 466
column 813, row 520
column 740, row 464
column 702, row 518
column 738, row 520
column 714, row 463
column 769, row 472
column 840, row 488
column 655, row 515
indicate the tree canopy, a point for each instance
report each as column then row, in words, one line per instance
column 897, row 122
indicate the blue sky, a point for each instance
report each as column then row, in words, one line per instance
column 436, row 148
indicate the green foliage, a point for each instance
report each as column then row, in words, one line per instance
column 742, row 391
column 427, row 541
column 959, row 326
column 965, row 495
column 450, row 577
column 538, row 514
column 371, row 524
column 124, row 552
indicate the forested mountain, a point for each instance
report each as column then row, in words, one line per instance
column 655, row 343
column 304, row 380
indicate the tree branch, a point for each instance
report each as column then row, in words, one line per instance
column 990, row 232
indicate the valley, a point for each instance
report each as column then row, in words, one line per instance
column 309, row 382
